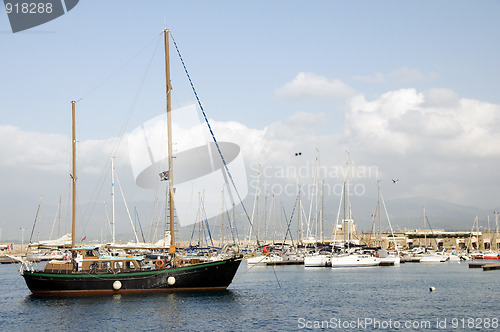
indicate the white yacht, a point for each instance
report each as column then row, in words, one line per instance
column 354, row 260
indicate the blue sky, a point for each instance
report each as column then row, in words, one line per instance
column 294, row 75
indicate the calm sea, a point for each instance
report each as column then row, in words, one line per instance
column 285, row 298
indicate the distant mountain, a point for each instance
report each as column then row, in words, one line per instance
column 408, row 213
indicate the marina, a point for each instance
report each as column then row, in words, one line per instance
column 275, row 299
column 277, row 166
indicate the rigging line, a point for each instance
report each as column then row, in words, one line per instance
column 194, row 228
column 389, row 221
column 34, row 223
column 55, row 218
column 248, row 269
column 119, row 68
column 206, row 222
column 140, row 225
column 136, row 97
column 230, row 226
column 288, row 231
column 263, row 257
column 276, row 276
column 432, row 232
column 373, row 225
column 213, row 137
column 126, row 207
column 104, row 174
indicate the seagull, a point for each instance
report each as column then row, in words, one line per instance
column 395, row 181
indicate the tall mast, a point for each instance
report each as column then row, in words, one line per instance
column 379, row 215
column 113, row 236
column 169, row 132
column 425, row 234
column 73, row 175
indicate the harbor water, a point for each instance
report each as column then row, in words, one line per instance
column 283, row 298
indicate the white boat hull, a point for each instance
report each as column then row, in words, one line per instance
column 354, row 261
column 433, row 259
column 390, row 260
column 317, row 261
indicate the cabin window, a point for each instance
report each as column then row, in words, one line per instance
column 105, row 265
column 118, row 265
column 131, row 265
column 89, row 253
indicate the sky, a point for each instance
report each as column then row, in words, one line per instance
column 409, row 89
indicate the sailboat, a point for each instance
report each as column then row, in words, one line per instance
column 386, row 258
column 350, row 257
column 87, row 272
column 430, row 256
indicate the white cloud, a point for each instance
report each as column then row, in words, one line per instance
column 31, row 149
column 436, row 121
column 311, row 85
column 442, row 145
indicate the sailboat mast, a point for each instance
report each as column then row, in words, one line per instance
column 169, row 132
column 379, row 215
column 113, row 200
column 425, row 234
column 73, row 175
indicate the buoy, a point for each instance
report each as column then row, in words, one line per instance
column 171, row 280
column 117, row 285
column 432, row 289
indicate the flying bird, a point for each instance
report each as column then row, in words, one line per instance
column 395, row 181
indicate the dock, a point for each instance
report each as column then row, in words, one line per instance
column 485, row 265
column 477, row 265
column 491, row 266
column 7, row 260
column 290, row 262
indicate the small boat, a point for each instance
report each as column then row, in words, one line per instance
column 263, row 259
column 86, row 271
column 433, row 258
column 317, row 260
column 388, row 258
column 454, row 257
column 350, row 256
column 354, row 260
column 491, row 256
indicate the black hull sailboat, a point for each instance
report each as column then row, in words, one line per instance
column 215, row 275
column 88, row 272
